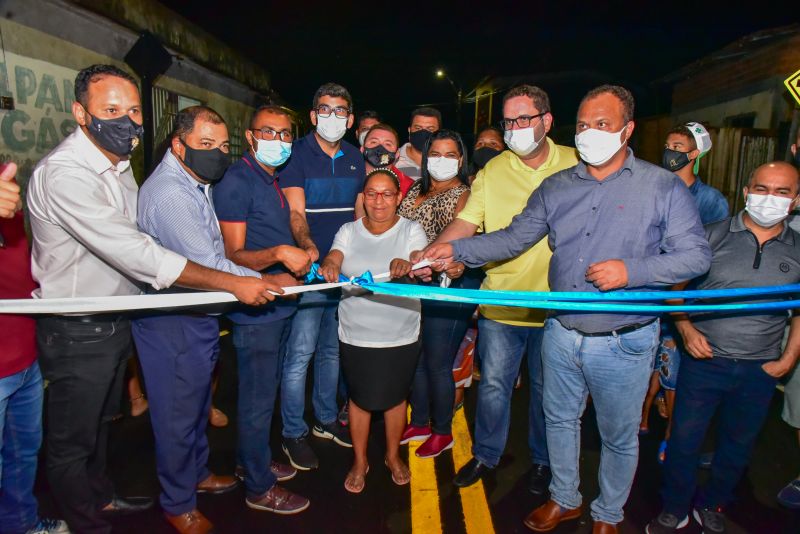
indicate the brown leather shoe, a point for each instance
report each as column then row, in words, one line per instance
column 604, row 528
column 190, row 523
column 217, row 485
column 549, row 515
column 278, row 500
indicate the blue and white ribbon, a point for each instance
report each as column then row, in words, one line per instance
column 639, row 302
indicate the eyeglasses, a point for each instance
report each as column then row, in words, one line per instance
column 523, row 121
column 325, row 111
column 387, row 195
column 268, row 134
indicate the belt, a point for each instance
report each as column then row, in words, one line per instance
column 619, row 331
column 94, row 318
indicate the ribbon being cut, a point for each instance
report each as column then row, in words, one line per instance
column 610, row 302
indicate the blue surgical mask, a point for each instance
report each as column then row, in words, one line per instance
column 272, row 153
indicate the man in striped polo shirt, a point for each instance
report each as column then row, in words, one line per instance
column 321, row 182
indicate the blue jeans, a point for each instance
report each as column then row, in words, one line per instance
column 502, row 347
column 615, row 370
column 259, row 351
column 739, row 391
column 20, row 438
column 178, row 354
column 314, row 330
column 433, row 390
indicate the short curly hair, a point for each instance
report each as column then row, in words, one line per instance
column 618, row 91
column 94, row 73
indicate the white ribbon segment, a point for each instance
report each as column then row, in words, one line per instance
column 88, row 305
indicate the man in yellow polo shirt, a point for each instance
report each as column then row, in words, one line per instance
column 505, row 334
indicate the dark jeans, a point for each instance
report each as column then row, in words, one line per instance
column 740, row 391
column 260, row 350
column 178, row 354
column 84, row 364
column 433, row 390
column 20, row 438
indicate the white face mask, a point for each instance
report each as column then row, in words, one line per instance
column 596, row 146
column 767, row 210
column 442, row 169
column 331, row 128
column 522, row 141
column 362, row 137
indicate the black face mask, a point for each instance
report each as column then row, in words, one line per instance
column 482, row 156
column 379, row 156
column 419, row 138
column 119, row 136
column 674, row 160
column 210, row 165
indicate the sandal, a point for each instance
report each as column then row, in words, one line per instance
column 662, row 452
column 351, row 481
column 400, row 476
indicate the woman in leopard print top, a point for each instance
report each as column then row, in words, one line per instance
column 434, row 201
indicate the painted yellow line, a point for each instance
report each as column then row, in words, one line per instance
column 425, row 515
column 477, row 517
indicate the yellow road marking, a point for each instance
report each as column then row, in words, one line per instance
column 477, row 517
column 425, row 515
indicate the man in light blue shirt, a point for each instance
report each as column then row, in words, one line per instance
column 178, row 352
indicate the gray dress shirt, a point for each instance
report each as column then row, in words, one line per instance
column 641, row 214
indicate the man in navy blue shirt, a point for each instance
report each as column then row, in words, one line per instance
column 321, row 182
column 254, row 218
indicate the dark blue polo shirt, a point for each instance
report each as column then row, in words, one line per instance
column 249, row 194
column 331, row 186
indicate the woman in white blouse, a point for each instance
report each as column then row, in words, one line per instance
column 378, row 334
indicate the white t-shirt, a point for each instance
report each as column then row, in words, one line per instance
column 367, row 319
column 407, row 165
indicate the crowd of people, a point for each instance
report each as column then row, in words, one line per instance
column 320, row 205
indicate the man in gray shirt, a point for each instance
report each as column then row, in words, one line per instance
column 613, row 222
column 736, row 359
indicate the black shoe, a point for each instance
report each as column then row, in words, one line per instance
column 711, row 519
column 539, row 479
column 300, row 453
column 666, row 523
column 127, row 505
column 470, row 473
column 333, row 430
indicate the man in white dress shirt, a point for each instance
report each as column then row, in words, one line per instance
column 82, row 202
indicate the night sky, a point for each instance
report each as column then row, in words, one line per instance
column 386, row 53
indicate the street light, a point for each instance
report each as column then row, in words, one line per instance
column 440, row 73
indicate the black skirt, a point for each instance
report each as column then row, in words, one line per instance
column 378, row 378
